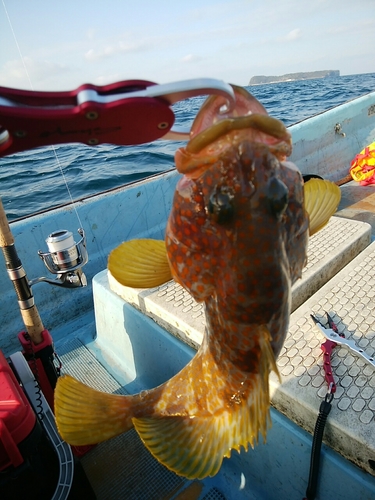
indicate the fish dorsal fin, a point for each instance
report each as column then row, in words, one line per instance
column 140, row 263
column 322, row 198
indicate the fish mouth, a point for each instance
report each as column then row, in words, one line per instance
column 261, row 123
column 217, row 128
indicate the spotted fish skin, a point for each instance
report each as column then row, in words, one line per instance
column 236, row 239
column 244, row 267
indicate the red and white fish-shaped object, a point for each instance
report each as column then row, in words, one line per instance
column 236, row 239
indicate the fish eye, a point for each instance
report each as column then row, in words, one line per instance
column 220, row 207
column 277, row 196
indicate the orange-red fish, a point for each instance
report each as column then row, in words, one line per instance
column 236, row 239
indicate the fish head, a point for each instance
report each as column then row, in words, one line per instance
column 237, row 229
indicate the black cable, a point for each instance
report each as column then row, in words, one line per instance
column 325, row 408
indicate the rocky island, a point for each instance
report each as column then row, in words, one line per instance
column 292, row 77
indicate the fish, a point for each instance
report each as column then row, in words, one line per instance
column 236, row 239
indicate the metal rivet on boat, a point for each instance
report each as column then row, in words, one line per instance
column 163, row 125
column 92, row 142
column 92, row 115
column 20, row 133
column 338, row 130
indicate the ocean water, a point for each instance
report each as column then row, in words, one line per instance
column 35, row 180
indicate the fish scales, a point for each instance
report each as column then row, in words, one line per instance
column 242, row 269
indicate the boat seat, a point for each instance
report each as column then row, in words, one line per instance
column 349, row 298
column 174, row 309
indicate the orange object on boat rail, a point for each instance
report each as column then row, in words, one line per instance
column 362, row 168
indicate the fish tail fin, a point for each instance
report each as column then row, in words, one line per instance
column 194, row 446
column 87, row 416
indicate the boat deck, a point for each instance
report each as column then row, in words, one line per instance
column 339, row 279
column 123, row 468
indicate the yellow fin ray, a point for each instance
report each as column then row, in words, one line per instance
column 87, row 416
column 194, row 446
column 322, row 198
column 140, row 263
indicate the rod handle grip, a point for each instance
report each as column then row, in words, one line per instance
column 33, row 324
column 6, row 237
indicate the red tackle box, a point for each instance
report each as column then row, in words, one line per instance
column 17, row 418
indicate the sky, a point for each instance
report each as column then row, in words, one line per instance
column 61, row 44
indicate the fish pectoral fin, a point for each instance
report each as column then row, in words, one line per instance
column 322, row 198
column 87, row 416
column 188, row 446
column 140, row 263
column 194, row 447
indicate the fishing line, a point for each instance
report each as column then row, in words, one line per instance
column 18, row 47
column 67, row 186
column 32, row 88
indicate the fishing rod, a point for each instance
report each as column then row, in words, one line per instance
column 65, row 259
column 17, row 275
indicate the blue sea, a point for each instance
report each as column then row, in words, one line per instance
column 34, row 180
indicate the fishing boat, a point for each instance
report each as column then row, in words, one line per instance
column 125, row 340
